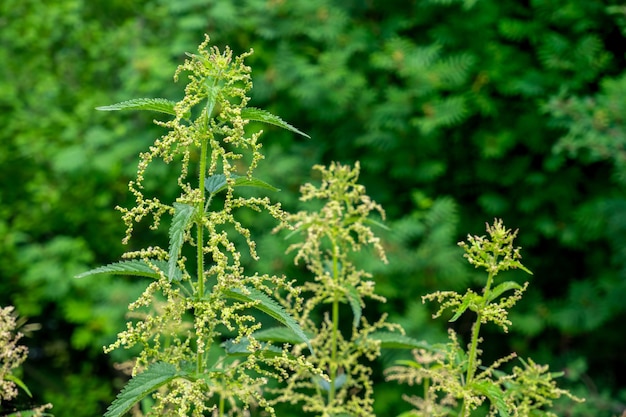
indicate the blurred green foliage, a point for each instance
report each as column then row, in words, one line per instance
column 459, row 111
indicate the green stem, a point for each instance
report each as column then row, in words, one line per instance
column 200, row 242
column 200, row 226
column 472, row 360
column 473, row 352
column 334, row 336
column 200, row 210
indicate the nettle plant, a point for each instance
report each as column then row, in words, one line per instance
column 454, row 380
column 330, row 238
column 194, row 321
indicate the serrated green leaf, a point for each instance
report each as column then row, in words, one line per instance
column 495, row 395
column 183, row 214
column 271, row 308
column 502, row 288
column 132, row 268
column 151, row 104
column 461, row 309
column 263, row 116
column 355, row 303
column 155, row 376
column 217, row 183
column 277, row 334
column 389, row 340
column 243, row 181
column 241, row 348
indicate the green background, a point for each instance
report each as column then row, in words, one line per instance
column 459, row 111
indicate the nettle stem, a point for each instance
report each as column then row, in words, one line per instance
column 200, row 240
column 200, row 226
column 201, row 207
column 472, row 362
column 335, row 312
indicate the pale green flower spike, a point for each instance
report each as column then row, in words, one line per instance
column 328, row 239
column 455, row 381
column 199, row 353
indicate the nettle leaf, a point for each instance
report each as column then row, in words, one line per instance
column 263, row 116
column 183, row 213
column 217, row 183
column 132, row 268
column 461, row 309
column 19, row 383
column 355, row 303
column 152, row 104
column 496, row 396
column 389, row 340
column 502, row 288
column 155, row 376
column 277, row 334
column 271, row 308
column 470, row 301
column 242, row 348
column 340, row 380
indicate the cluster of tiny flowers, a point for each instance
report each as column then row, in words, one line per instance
column 343, row 217
column 181, row 316
column 12, row 355
column 496, row 254
column 450, row 375
column 331, row 235
column 223, row 80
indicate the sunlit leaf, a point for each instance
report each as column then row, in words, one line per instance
column 132, row 268
column 151, row 104
column 263, row 116
column 502, row 288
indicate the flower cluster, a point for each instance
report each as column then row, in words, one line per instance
column 197, row 310
column 12, row 355
column 331, row 236
column 456, row 383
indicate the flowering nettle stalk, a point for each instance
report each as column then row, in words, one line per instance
column 189, row 305
column 330, row 238
column 455, row 381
